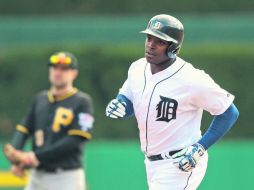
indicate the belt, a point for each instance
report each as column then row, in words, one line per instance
column 162, row 156
column 56, row 170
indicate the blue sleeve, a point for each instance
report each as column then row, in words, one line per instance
column 129, row 106
column 219, row 126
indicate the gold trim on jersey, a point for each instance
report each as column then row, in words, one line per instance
column 80, row 133
column 50, row 97
column 22, row 129
column 60, row 98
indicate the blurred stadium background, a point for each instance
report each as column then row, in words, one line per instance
column 219, row 37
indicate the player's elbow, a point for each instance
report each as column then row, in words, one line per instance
column 230, row 115
column 234, row 112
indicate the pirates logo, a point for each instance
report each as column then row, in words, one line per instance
column 166, row 109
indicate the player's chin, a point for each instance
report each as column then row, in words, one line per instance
column 153, row 61
column 150, row 58
column 59, row 85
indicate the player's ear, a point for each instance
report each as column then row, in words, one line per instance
column 75, row 74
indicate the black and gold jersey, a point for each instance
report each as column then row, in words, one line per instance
column 49, row 120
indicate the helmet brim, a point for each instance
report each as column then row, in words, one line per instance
column 159, row 35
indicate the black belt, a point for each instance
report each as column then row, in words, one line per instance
column 55, row 170
column 159, row 156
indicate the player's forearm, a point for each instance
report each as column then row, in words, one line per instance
column 19, row 140
column 219, row 126
column 61, row 149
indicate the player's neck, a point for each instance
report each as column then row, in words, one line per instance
column 155, row 68
column 58, row 92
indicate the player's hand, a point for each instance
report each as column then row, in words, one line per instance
column 115, row 109
column 17, row 171
column 188, row 158
column 23, row 160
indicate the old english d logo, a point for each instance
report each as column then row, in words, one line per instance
column 166, row 109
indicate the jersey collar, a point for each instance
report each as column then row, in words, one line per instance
column 177, row 65
column 52, row 99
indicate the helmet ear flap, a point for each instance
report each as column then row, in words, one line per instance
column 172, row 50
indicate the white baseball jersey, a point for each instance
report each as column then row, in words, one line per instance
column 168, row 105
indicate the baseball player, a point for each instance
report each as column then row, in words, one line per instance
column 167, row 95
column 59, row 122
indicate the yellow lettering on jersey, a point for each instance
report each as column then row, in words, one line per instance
column 64, row 117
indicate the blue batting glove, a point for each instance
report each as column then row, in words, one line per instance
column 188, row 158
column 115, row 109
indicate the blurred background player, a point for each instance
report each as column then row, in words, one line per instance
column 59, row 121
column 167, row 95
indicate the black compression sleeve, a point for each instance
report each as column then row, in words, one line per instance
column 19, row 140
column 66, row 146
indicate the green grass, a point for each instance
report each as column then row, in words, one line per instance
column 114, row 164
